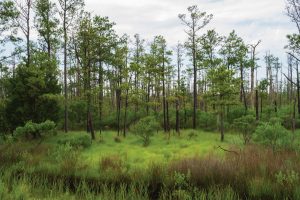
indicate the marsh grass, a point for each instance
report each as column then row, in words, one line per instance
column 54, row 171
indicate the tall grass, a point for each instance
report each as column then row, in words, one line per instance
column 251, row 173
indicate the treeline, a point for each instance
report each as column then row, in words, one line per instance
column 61, row 63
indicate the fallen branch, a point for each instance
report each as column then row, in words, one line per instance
column 228, row 150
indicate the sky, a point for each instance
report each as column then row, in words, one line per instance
column 253, row 20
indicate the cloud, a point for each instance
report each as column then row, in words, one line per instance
column 253, row 20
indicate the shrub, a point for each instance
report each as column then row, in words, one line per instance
column 67, row 157
column 145, row 128
column 245, row 125
column 234, row 113
column 272, row 134
column 192, row 134
column 207, row 121
column 83, row 140
column 34, row 130
column 117, row 139
column 76, row 119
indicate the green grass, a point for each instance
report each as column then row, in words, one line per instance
column 162, row 149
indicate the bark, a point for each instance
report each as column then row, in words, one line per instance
column 65, row 69
column 256, row 105
column 222, row 123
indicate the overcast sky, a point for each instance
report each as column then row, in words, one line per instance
column 253, row 20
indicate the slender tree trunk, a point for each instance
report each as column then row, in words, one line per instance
column 125, row 113
column 28, row 32
column 195, row 80
column 256, row 105
column 177, row 117
column 222, row 123
column 242, row 90
column 164, row 100
column 65, row 72
column 100, row 95
column 298, row 88
column 89, row 102
column 118, row 95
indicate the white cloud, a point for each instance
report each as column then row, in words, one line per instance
column 253, row 20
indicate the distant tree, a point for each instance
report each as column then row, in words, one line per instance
column 85, row 53
column 32, row 92
column 235, row 52
column 179, row 54
column 194, row 21
column 263, row 87
column 68, row 9
column 222, row 91
column 253, row 67
column 104, row 42
column 8, row 25
column 24, row 9
column 47, row 26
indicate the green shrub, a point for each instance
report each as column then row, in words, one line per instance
column 273, row 134
column 83, row 140
column 76, row 119
column 118, row 139
column 145, row 128
column 192, row 134
column 234, row 113
column 34, row 130
column 246, row 126
column 207, row 121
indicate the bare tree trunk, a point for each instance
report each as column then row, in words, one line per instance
column 222, row 123
column 256, row 105
column 65, row 71
column 195, row 81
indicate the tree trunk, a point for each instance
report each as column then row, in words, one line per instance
column 298, row 88
column 222, row 123
column 125, row 113
column 177, row 117
column 195, row 80
column 65, row 72
column 256, row 105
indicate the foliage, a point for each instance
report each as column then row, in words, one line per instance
column 246, row 125
column 145, row 128
column 34, row 130
column 272, row 134
column 32, row 92
column 207, row 121
column 83, row 140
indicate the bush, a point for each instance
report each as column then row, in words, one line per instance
column 145, row 128
column 76, row 119
column 118, row 139
column 245, row 125
column 207, row 121
column 272, row 134
column 67, row 157
column 83, row 140
column 234, row 113
column 34, row 130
